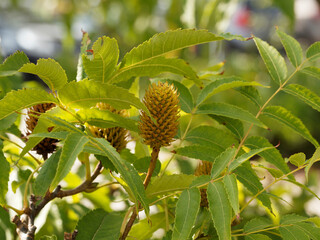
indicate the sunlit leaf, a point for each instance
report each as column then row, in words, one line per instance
column 315, row 158
column 313, row 52
column 297, row 159
column 13, row 63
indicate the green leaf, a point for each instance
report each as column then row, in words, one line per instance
column 186, row 212
column 99, row 225
column 127, row 171
column 105, row 59
column 303, row 186
column 200, row 180
column 210, row 136
column 312, row 231
column 46, row 237
column 252, row 94
column 231, row 187
column 220, row 209
column 292, row 233
column 13, row 63
column 14, row 101
column 49, row 71
column 63, row 124
column 46, row 174
column 5, row 220
column 153, row 67
column 272, row 155
column 86, row 93
column 312, row 71
column 4, row 175
column 143, row 230
column 291, row 218
column 288, row 119
column 234, row 125
column 256, row 224
column 228, row 110
column 257, row 237
column 313, row 52
column 305, row 94
column 7, row 122
column 315, row 158
column 107, row 119
column 297, row 159
column 169, row 183
column 274, row 172
column 251, row 181
column 221, row 162
column 222, row 84
column 246, row 156
column 273, row 60
column 56, row 135
column 292, row 47
column 315, row 220
column 185, row 97
column 199, row 152
column 73, row 146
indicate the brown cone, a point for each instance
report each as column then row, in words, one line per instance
column 204, row 168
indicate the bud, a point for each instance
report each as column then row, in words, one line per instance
column 116, row 136
column 162, row 101
column 204, row 168
column 47, row 145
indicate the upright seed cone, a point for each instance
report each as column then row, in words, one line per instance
column 117, row 136
column 162, row 101
column 203, row 168
column 47, row 145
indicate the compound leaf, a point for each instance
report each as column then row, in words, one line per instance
column 13, row 63
column 313, row 52
column 4, row 176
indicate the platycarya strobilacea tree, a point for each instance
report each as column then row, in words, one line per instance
column 86, row 125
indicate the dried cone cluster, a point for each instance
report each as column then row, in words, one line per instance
column 204, row 168
column 47, row 145
column 162, row 101
column 117, row 136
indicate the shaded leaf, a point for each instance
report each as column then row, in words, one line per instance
column 313, row 52
column 200, row 180
column 292, row 47
column 7, row 122
column 291, row 218
column 297, row 159
column 56, row 135
column 234, row 125
column 256, row 224
column 312, row 231
column 312, row 71
column 186, row 212
column 14, row 101
column 292, row 233
column 257, row 237
column 4, row 176
column 49, row 71
column 5, row 220
column 13, row 63
column 185, row 97
column 199, row 152
column 220, row 209
column 228, row 110
column 221, row 162
column 231, row 187
column 288, row 119
column 273, row 60
column 252, row 94
column 105, row 59
column 99, row 225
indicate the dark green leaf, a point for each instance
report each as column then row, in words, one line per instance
column 230, row 184
column 4, row 175
column 13, row 63
column 5, row 220
column 256, row 224
column 313, row 52
column 293, row 233
column 199, row 152
column 7, row 122
column 221, row 162
column 257, row 237
column 185, row 97
column 312, row 231
column 234, row 125
column 186, row 212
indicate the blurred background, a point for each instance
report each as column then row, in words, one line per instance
column 53, row 28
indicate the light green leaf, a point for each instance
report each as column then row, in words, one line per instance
column 199, row 152
column 7, row 122
column 292, row 233
column 56, row 135
column 46, row 174
column 312, row 71
column 107, row 119
column 153, row 67
column 143, row 230
column 292, row 47
column 73, row 146
column 251, row 181
column 86, row 93
column 305, row 94
column 49, row 71
column 312, row 231
column 99, row 225
column 313, row 52
column 4, row 176
column 63, row 124
column 273, row 60
column 287, row 118
column 13, row 63
column 257, row 237
column 231, row 187
column 297, row 159
column 228, row 110
column 256, row 224
column 105, row 59
column 272, row 155
column 5, row 220
column 274, row 172
column 185, row 97
column 46, row 237
column 210, row 136
column 222, row 84
column 315, row 220
column 169, row 183
column 186, row 213
column 14, row 101
column 252, row 94
column 221, row 162
column 315, row 158
column 220, row 209
column 127, row 171
column 234, row 125
column 246, row 156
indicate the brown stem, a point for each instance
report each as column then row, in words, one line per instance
column 152, row 166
